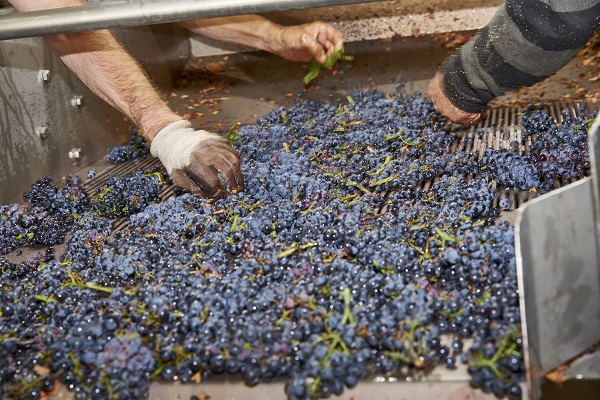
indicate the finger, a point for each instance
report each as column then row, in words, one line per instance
column 314, row 48
column 327, row 46
column 230, row 154
column 225, row 170
column 224, row 182
column 233, row 174
column 338, row 41
column 325, row 42
column 181, row 179
column 473, row 118
column 333, row 39
column 323, row 38
column 330, row 49
column 208, row 182
column 463, row 118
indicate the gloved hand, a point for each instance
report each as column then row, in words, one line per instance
column 304, row 42
column 443, row 104
column 199, row 161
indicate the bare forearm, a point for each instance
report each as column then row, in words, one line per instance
column 114, row 76
column 108, row 70
column 298, row 43
column 248, row 30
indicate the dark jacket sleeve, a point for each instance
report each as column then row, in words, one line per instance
column 525, row 42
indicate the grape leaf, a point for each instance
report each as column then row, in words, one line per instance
column 314, row 67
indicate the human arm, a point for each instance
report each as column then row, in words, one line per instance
column 295, row 43
column 199, row 161
column 524, row 43
column 108, row 71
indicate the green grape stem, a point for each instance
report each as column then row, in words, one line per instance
column 348, row 317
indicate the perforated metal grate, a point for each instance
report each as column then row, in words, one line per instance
column 502, row 126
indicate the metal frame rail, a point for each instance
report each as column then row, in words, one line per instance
column 142, row 12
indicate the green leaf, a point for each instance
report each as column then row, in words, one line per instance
column 233, row 137
column 313, row 71
column 314, row 67
column 330, row 61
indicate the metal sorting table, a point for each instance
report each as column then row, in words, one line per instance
column 242, row 86
column 246, row 92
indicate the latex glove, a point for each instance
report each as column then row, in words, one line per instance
column 304, row 42
column 443, row 104
column 199, row 161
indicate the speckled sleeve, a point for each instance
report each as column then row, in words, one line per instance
column 525, row 42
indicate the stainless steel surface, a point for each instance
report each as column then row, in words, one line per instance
column 594, row 146
column 39, row 126
column 47, row 111
column 559, row 279
column 379, row 388
column 230, row 389
column 135, row 13
column 586, row 367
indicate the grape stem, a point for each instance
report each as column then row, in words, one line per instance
column 506, row 347
column 400, row 136
column 347, row 318
column 388, row 159
column 45, row 299
column 232, row 135
column 296, row 247
column 384, row 180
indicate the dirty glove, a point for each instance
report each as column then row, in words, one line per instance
column 199, row 161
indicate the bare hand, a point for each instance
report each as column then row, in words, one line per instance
column 304, row 42
column 443, row 104
column 199, row 161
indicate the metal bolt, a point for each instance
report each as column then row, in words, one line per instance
column 77, row 101
column 75, row 153
column 42, row 132
column 44, row 75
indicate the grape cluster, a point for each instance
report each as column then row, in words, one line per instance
column 137, row 148
column 122, row 196
column 47, row 196
column 48, row 217
column 559, row 150
column 536, row 121
column 334, row 263
column 51, row 211
column 511, row 169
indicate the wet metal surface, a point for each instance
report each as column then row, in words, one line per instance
column 586, row 367
column 557, row 268
column 39, row 125
column 557, row 244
